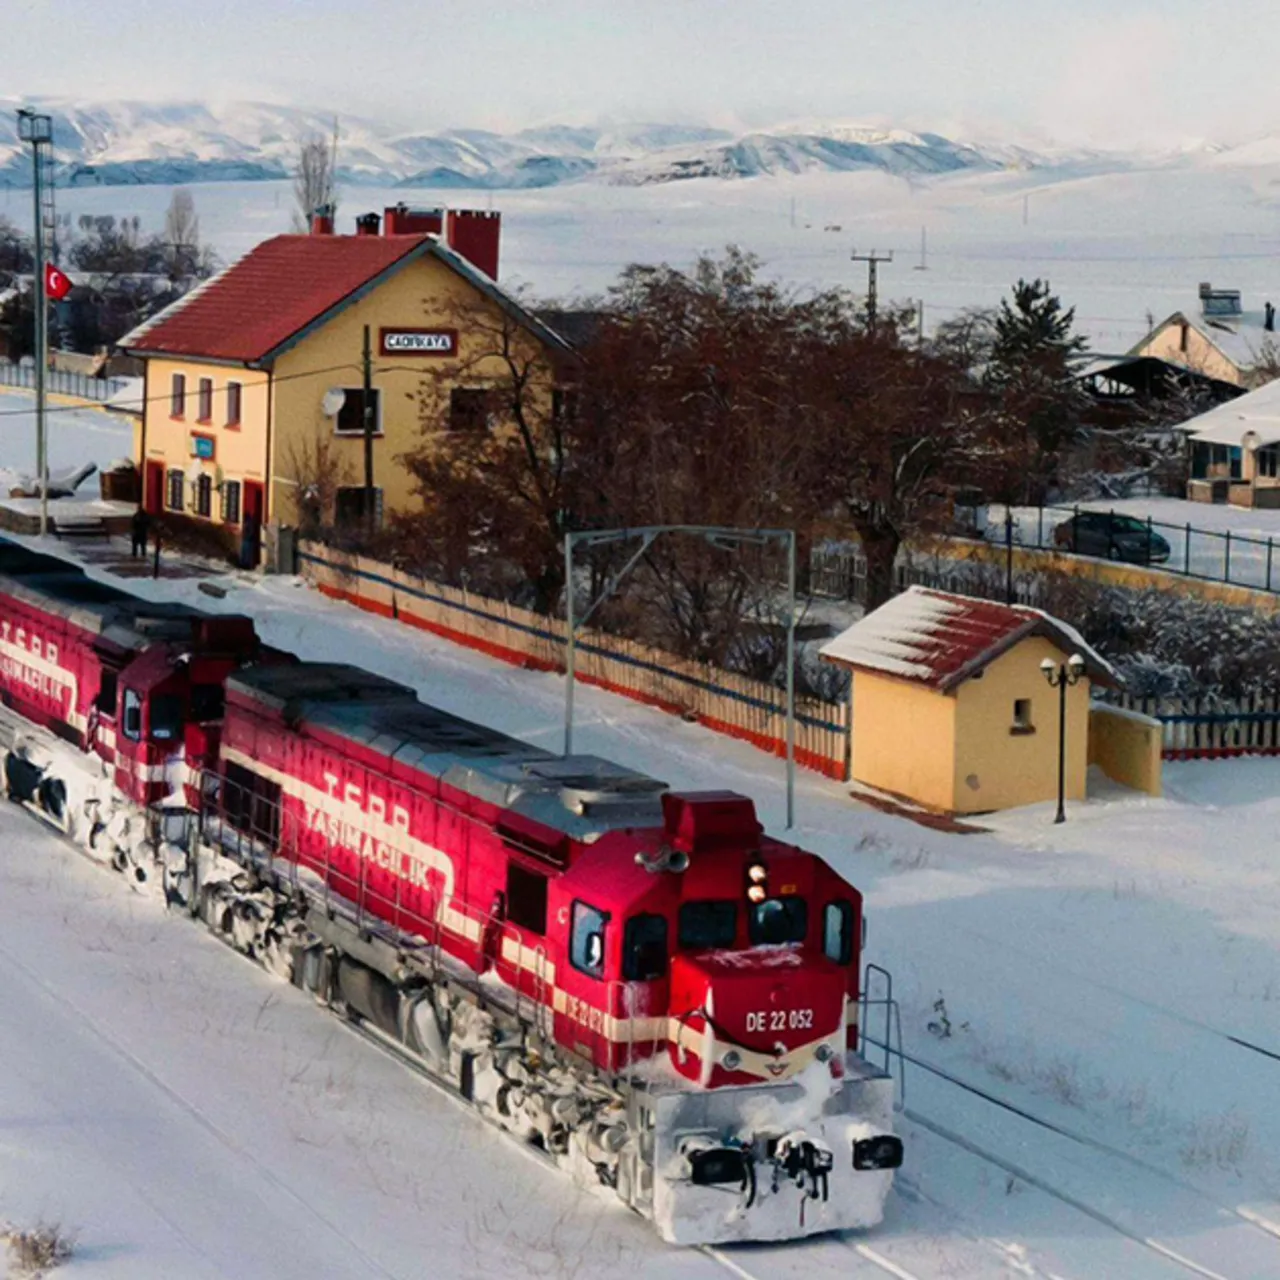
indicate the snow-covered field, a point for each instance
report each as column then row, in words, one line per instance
column 1115, row 980
column 1108, row 242
column 76, row 436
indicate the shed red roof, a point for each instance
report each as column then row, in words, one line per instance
column 940, row 639
column 285, row 284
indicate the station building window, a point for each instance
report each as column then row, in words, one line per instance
column 204, row 400
column 349, row 420
column 348, row 506
column 231, row 502
column 173, row 496
column 233, row 404
column 469, row 409
column 204, row 496
column 178, row 396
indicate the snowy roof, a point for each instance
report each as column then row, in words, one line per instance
column 1240, row 338
column 1258, row 411
column 939, row 639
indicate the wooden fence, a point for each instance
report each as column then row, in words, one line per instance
column 739, row 706
column 1211, row 728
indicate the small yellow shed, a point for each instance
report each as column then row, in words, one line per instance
column 952, row 709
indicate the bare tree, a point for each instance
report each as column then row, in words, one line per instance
column 182, row 250
column 493, row 468
column 317, row 472
column 314, row 178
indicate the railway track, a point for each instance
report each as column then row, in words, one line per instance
column 1254, row 1222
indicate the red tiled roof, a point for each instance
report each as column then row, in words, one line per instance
column 277, row 289
column 940, row 639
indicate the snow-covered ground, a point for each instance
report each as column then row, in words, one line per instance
column 1116, row 979
column 1106, row 241
column 76, row 436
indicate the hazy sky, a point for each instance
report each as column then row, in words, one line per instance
column 1106, row 71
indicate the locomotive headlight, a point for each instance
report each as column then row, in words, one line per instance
column 731, row 1060
column 757, row 893
column 757, row 873
column 823, row 1052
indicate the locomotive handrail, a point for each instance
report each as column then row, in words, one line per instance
column 892, row 1025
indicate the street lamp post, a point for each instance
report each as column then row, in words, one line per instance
column 1060, row 675
column 1008, row 554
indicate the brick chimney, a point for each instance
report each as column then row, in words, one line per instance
column 322, row 220
column 400, row 220
column 470, row 233
column 475, row 235
column 367, row 224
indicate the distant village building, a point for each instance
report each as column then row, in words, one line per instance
column 257, row 373
column 1235, row 451
column 952, row 711
column 1218, row 339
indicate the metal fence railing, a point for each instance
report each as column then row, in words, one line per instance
column 60, row 381
column 1211, row 555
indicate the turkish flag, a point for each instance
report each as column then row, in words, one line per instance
column 56, row 284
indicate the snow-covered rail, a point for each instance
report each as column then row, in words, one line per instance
column 1256, row 1223
column 1048, row 1188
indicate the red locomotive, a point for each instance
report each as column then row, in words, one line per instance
column 639, row 981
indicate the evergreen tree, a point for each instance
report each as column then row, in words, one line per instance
column 1032, row 371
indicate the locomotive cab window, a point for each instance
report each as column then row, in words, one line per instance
column 644, row 949
column 837, row 932
column 708, row 926
column 132, row 725
column 777, row 921
column 166, row 717
column 108, row 692
column 586, row 940
column 526, row 898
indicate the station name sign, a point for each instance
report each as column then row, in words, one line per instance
column 418, row 342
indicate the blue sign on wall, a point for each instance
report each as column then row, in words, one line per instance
column 202, row 447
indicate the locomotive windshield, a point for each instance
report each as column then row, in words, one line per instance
column 708, row 926
column 777, row 921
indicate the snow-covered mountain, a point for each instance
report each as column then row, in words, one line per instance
column 134, row 142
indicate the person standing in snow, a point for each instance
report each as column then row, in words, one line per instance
column 138, row 528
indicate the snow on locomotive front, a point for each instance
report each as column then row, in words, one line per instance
column 639, row 981
column 734, row 961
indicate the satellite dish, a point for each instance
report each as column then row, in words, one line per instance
column 332, row 401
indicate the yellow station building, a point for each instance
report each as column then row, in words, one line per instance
column 952, row 710
column 254, row 381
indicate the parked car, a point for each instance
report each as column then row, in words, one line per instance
column 1111, row 537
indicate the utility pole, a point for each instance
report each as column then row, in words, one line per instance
column 370, row 514
column 923, row 264
column 38, row 131
column 873, row 260
column 920, row 323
